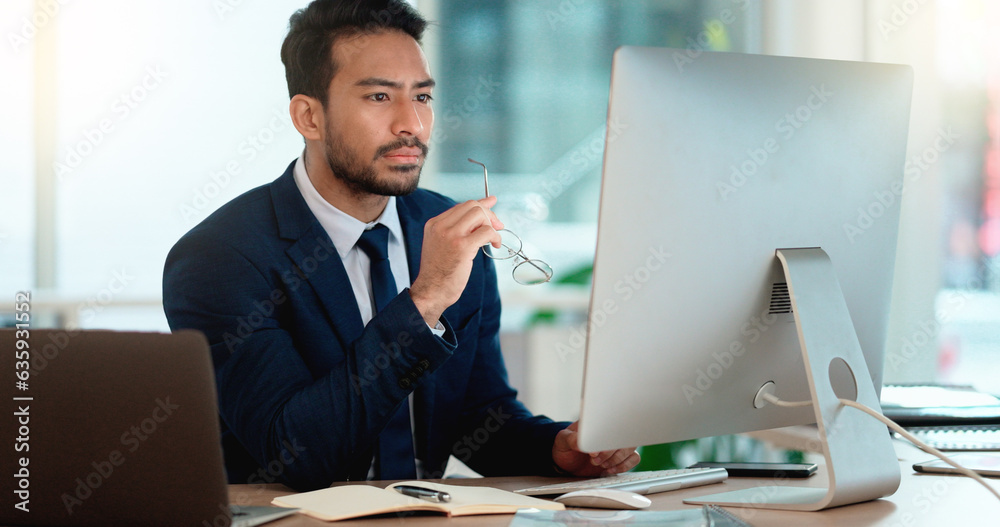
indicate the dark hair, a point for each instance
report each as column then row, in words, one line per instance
column 307, row 51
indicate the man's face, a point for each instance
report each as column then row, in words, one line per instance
column 378, row 113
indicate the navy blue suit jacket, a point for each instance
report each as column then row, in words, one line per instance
column 304, row 387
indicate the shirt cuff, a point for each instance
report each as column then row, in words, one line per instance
column 437, row 330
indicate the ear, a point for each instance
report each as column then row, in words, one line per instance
column 307, row 116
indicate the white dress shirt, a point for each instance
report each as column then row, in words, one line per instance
column 345, row 231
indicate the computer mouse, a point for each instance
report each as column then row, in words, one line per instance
column 604, row 499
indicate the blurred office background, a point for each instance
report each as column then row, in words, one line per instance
column 124, row 124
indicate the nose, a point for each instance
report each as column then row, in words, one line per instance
column 407, row 119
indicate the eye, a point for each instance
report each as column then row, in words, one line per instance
column 424, row 98
column 379, row 97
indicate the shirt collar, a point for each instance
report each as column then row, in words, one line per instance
column 344, row 230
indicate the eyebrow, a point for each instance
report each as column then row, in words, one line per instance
column 378, row 81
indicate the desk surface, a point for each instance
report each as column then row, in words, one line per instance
column 929, row 500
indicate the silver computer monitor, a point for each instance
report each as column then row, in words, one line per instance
column 713, row 163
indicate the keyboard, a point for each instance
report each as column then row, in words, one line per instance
column 647, row 482
column 968, row 437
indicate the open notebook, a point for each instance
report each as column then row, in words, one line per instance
column 352, row 501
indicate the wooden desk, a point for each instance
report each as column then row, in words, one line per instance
column 922, row 500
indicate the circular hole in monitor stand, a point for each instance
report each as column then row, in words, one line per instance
column 767, row 388
column 842, row 380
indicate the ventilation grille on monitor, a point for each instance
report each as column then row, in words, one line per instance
column 781, row 301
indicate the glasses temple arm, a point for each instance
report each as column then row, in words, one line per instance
column 526, row 260
column 486, row 181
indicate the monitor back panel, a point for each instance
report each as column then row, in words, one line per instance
column 113, row 429
column 711, row 164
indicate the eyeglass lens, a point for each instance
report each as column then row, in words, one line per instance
column 526, row 271
column 532, row 272
column 510, row 245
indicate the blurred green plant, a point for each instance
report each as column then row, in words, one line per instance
column 580, row 277
column 736, row 448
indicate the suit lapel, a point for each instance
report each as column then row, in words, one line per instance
column 315, row 257
column 318, row 261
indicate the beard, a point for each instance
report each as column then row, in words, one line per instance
column 363, row 178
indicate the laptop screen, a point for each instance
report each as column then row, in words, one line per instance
column 110, row 428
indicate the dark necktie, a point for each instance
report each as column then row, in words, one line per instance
column 395, row 443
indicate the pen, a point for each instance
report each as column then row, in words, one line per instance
column 422, row 493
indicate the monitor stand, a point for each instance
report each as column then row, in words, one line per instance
column 860, row 461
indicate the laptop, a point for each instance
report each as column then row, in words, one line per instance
column 112, row 428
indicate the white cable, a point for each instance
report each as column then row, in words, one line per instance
column 771, row 398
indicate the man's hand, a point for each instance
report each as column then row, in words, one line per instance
column 451, row 242
column 567, row 456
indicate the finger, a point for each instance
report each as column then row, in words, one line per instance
column 571, row 438
column 487, row 204
column 454, row 215
column 485, row 235
column 627, row 464
column 602, row 457
column 471, row 215
column 488, row 216
column 561, row 442
column 610, row 458
column 461, row 224
column 599, row 458
column 617, row 457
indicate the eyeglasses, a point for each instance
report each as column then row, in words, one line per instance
column 526, row 271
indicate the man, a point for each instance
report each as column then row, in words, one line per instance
column 328, row 366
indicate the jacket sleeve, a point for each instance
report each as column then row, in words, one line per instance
column 314, row 430
column 500, row 437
